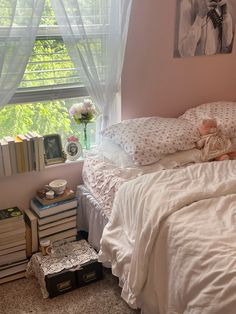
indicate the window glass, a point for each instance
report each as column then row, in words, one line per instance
column 50, row 72
column 50, row 117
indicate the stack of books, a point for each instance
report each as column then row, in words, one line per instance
column 56, row 218
column 13, row 259
column 21, row 153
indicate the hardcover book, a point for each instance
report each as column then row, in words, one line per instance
column 12, row 150
column 62, row 235
column 35, row 148
column 47, row 210
column 25, row 161
column 6, row 157
column 2, row 171
column 56, row 217
column 8, row 270
column 62, row 221
column 17, row 236
column 19, row 155
column 10, row 215
column 12, row 244
column 13, row 249
column 12, row 257
column 57, row 229
column 12, row 277
column 31, row 232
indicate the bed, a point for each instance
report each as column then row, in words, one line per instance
column 170, row 232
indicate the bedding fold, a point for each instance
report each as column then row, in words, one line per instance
column 144, row 207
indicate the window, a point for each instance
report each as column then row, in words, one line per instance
column 50, row 85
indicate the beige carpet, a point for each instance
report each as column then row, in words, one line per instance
column 102, row 297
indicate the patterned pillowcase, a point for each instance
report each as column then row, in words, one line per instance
column 147, row 140
column 224, row 113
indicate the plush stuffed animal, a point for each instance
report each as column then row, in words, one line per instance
column 213, row 144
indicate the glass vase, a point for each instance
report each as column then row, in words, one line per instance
column 85, row 137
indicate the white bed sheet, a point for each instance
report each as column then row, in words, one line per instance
column 173, row 243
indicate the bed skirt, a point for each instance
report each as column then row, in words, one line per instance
column 90, row 216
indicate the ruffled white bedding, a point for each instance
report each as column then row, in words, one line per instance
column 103, row 177
column 171, row 239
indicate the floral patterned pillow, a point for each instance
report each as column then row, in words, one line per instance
column 147, row 140
column 224, row 112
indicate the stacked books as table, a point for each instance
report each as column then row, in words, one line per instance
column 13, row 260
column 56, row 220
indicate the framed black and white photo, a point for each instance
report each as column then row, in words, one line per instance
column 53, row 149
column 204, row 27
column 73, row 149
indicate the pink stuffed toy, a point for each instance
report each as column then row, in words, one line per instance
column 213, row 144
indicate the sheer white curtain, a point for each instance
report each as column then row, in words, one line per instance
column 95, row 34
column 19, row 20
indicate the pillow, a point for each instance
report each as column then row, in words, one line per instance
column 224, row 112
column 115, row 153
column 147, row 140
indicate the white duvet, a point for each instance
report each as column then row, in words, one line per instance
column 171, row 240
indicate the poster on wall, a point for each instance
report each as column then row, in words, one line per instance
column 204, row 27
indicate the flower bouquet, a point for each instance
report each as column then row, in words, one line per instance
column 83, row 113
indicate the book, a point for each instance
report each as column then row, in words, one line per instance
column 2, row 171
column 41, row 196
column 11, row 143
column 57, row 229
column 12, row 257
column 13, row 268
column 11, row 227
column 6, row 157
column 19, row 155
column 31, row 151
column 12, row 244
column 47, row 210
column 62, row 235
column 34, row 139
column 56, row 217
column 56, row 223
column 13, row 249
column 10, row 215
column 12, row 277
column 25, row 160
column 17, row 231
column 31, row 232
column 18, row 236
column 39, row 151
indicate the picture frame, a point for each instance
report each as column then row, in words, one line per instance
column 73, row 149
column 53, row 153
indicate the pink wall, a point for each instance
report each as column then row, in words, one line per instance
column 17, row 190
column 155, row 83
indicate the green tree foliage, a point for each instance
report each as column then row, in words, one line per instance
column 49, row 65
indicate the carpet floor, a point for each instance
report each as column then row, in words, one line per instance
column 102, row 297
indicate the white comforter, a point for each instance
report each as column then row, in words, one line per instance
column 172, row 240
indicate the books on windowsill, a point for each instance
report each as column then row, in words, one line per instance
column 21, row 153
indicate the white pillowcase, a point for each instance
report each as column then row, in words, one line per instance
column 115, row 153
column 147, row 140
column 223, row 111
